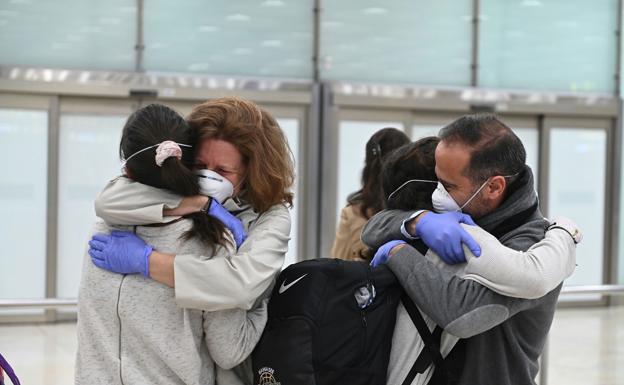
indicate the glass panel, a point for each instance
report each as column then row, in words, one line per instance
column 244, row 37
column 291, row 129
column 23, row 202
column 69, row 34
column 577, row 190
column 352, row 138
column 425, row 42
column 548, row 45
column 88, row 158
column 420, row 131
column 530, row 140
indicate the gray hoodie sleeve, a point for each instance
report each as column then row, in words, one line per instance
column 231, row 335
column 462, row 307
column 384, row 227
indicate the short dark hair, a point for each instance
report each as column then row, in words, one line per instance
column 379, row 145
column 411, row 161
column 496, row 150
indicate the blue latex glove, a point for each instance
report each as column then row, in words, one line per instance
column 443, row 234
column 230, row 221
column 383, row 253
column 120, row 252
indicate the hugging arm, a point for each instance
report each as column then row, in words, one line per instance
column 462, row 307
column 231, row 335
column 238, row 279
column 529, row 274
column 126, row 202
column 385, row 226
column 234, row 281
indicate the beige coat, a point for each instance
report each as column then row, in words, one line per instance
column 235, row 281
column 347, row 244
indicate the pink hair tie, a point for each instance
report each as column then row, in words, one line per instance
column 166, row 150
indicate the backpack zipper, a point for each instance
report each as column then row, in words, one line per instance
column 119, row 320
column 365, row 327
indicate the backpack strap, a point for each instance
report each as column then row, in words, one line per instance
column 8, row 370
column 431, row 351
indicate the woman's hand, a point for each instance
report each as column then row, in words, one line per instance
column 120, row 252
column 230, row 221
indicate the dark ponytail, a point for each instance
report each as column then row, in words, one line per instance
column 154, row 124
column 370, row 196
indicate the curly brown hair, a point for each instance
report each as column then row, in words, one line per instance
column 260, row 140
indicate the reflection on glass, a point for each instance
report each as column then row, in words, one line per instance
column 68, row 34
column 23, row 202
column 577, row 190
column 243, row 37
column 397, row 41
column 352, row 138
column 422, row 130
column 88, row 158
column 548, row 45
column 291, row 129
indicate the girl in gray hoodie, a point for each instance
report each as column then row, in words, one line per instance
column 130, row 330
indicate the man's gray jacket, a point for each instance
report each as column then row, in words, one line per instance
column 504, row 336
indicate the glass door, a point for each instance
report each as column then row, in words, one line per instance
column 89, row 135
column 343, row 160
column 24, row 139
column 579, row 162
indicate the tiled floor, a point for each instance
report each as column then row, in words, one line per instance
column 586, row 348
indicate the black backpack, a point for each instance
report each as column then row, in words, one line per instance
column 330, row 322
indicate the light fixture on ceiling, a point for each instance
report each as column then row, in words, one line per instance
column 237, row 17
column 273, row 3
column 242, row 51
column 207, row 28
column 375, row 11
column 331, row 24
column 198, row 67
column 531, row 3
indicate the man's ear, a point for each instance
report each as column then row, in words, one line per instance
column 495, row 189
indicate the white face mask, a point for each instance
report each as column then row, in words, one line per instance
column 443, row 202
column 214, row 185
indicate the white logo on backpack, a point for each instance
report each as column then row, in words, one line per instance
column 283, row 287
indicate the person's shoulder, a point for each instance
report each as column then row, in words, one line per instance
column 119, row 181
column 354, row 213
column 278, row 209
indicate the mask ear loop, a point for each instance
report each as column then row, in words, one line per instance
column 408, row 182
column 481, row 188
